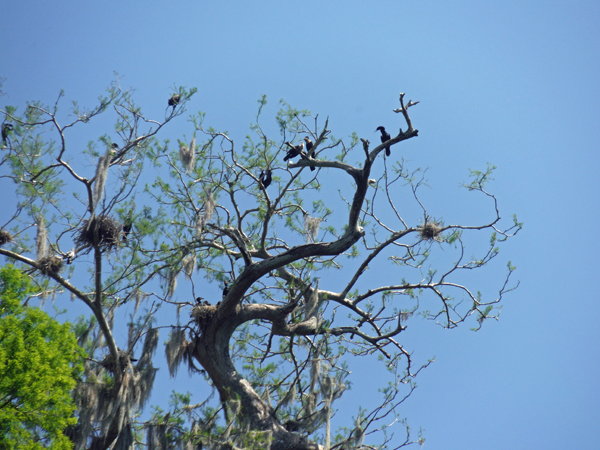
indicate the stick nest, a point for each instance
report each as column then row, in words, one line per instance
column 50, row 265
column 124, row 360
column 203, row 315
column 5, row 237
column 430, row 231
column 109, row 232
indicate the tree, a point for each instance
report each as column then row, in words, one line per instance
column 266, row 330
column 39, row 363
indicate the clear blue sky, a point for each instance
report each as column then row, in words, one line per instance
column 512, row 83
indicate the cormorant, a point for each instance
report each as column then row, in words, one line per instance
column 309, row 152
column 201, row 302
column 6, row 128
column 309, row 146
column 127, row 226
column 265, row 178
column 70, row 256
column 385, row 136
column 225, row 289
column 113, row 149
column 294, row 151
column 174, row 100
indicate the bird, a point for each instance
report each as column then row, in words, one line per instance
column 309, row 146
column 174, row 100
column 113, row 149
column 225, row 289
column 201, row 302
column 70, row 256
column 265, row 178
column 128, row 225
column 385, row 136
column 310, row 153
column 294, row 151
column 6, row 129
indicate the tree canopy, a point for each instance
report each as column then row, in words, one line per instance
column 40, row 361
column 269, row 280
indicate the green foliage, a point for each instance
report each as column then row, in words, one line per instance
column 39, row 364
column 211, row 219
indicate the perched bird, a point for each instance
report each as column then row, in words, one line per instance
column 225, row 289
column 127, row 226
column 201, row 302
column 265, row 178
column 174, row 100
column 70, row 256
column 113, row 149
column 310, row 153
column 385, row 136
column 6, row 129
column 294, row 151
column 309, row 146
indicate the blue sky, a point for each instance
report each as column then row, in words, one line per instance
column 511, row 83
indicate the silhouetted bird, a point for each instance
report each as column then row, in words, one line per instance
column 127, row 226
column 309, row 146
column 6, row 129
column 385, row 136
column 201, row 302
column 310, row 153
column 115, row 145
column 265, row 178
column 294, row 151
column 225, row 289
column 174, row 100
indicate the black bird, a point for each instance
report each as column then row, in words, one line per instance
column 115, row 145
column 225, row 289
column 201, row 302
column 174, row 100
column 265, row 178
column 6, row 129
column 385, row 136
column 309, row 146
column 309, row 152
column 294, row 151
column 127, row 226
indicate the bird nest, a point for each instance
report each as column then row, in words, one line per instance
column 203, row 314
column 50, row 265
column 5, row 237
column 124, row 360
column 109, row 232
column 430, row 231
